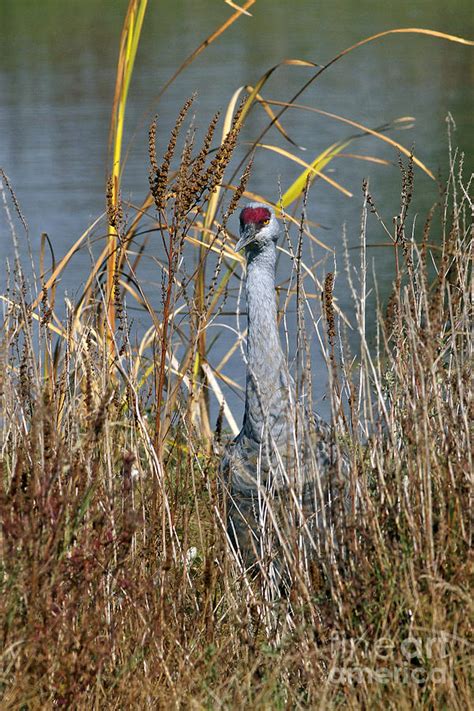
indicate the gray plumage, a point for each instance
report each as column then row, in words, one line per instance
column 279, row 470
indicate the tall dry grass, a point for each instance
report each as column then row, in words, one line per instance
column 118, row 588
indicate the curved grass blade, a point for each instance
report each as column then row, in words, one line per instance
column 407, row 30
column 215, row 387
column 254, row 91
column 369, row 159
column 239, row 9
column 311, row 169
column 374, row 132
column 64, row 261
column 228, row 118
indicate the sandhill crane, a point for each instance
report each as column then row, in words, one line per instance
column 278, row 471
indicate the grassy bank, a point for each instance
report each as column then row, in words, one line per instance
column 118, row 590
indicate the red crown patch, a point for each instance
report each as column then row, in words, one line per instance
column 254, row 215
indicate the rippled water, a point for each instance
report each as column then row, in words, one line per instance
column 57, row 78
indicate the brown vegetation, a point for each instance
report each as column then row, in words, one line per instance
column 118, row 590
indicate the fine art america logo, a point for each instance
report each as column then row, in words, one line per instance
column 412, row 660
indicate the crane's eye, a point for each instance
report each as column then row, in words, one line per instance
column 265, row 222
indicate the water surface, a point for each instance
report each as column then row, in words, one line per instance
column 56, row 87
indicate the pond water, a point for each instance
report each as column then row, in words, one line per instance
column 57, row 79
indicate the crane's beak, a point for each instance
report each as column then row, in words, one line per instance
column 247, row 236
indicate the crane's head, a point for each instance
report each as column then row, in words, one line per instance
column 258, row 227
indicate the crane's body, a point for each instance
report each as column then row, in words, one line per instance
column 276, row 469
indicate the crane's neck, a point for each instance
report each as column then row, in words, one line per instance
column 267, row 384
